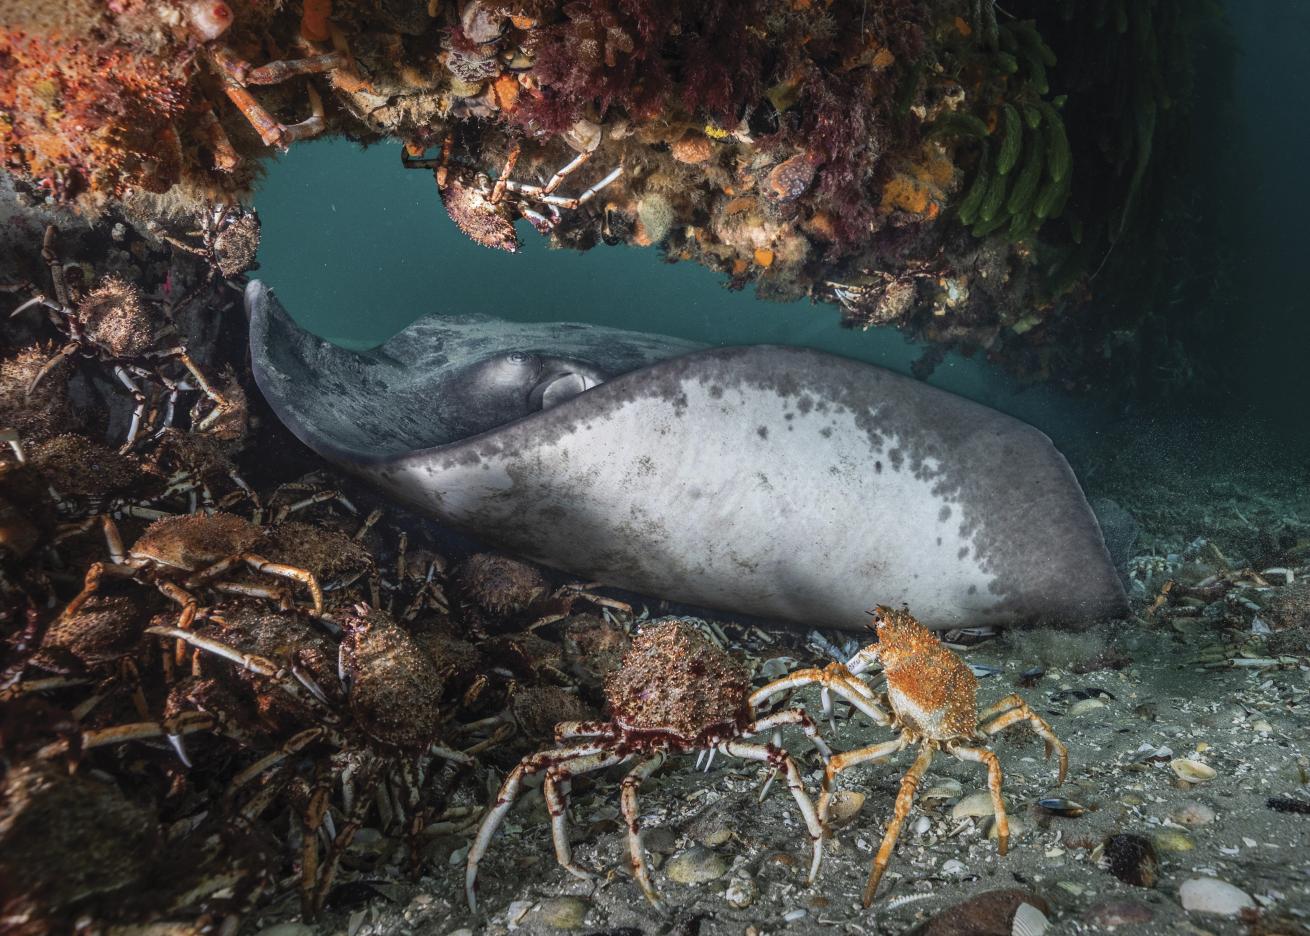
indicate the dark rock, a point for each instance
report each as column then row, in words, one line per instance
column 990, row 913
column 1132, row 859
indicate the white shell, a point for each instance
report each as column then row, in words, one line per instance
column 948, row 788
column 975, row 804
column 1028, row 921
column 1211, row 895
column 1192, row 771
column 845, row 806
column 1083, row 706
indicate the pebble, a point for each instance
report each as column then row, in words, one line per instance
column 1192, row 814
column 561, row 913
column 844, row 806
column 661, row 841
column 741, row 892
column 948, row 788
column 1083, row 706
column 1173, row 840
column 696, row 866
column 1111, row 913
column 1211, row 895
column 1132, row 859
column 990, row 913
column 975, row 804
column 719, row 835
column 287, row 929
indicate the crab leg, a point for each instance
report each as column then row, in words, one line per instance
column 189, row 723
column 502, row 180
column 278, row 72
column 834, row 677
column 848, row 759
column 304, row 576
column 993, row 765
column 781, row 760
column 343, row 839
column 579, row 730
column 555, row 790
column 628, row 801
column 904, row 801
column 1010, row 711
column 296, row 744
column 578, row 759
column 51, row 257
column 61, row 355
column 542, row 193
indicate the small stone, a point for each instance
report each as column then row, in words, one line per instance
column 1260, row 726
column 953, row 867
column 945, row 789
column 1175, row 841
column 287, row 929
column 660, row 841
column 990, row 913
column 561, row 913
column 696, row 866
column 1111, row 913
column 975, row 804
column 1132, row 859
column 1192, row 814
column 1083, row 706
column 741, row 893
column 844, row 806
column 1211, row 895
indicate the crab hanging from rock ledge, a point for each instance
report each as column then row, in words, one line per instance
column 933, row 700
column 675, row 693
column 482, row 210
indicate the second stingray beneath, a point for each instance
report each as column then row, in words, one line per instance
column 767, row 480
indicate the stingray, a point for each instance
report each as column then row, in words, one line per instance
column 779, row 482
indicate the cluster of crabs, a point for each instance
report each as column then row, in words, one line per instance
column 211, row 681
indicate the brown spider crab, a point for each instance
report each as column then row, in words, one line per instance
column 113, row 324
column 380, row 743
column 485, row 211
column 932, row 696
column 675, row 693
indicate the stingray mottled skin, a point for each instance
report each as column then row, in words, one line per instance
column 780, row 482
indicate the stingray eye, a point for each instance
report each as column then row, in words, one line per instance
column 518, row 357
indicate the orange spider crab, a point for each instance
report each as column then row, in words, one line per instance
column 933, row 700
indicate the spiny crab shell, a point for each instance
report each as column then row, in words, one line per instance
column 190, row 541
column 931, row 689
column 477, row 217
column 395, row 689
column 674, row 680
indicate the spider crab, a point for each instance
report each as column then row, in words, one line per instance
column 113, row 324
column 675, row 693
column 483, row 210
column 932, row 696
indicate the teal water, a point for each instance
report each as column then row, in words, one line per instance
column 357, row 248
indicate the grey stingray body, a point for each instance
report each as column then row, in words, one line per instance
column 775, row 481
